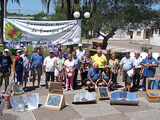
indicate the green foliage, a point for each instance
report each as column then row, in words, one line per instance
column 39, row 16
column 12, row 51
column 145, row 48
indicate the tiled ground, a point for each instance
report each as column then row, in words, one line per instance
column 100, row 111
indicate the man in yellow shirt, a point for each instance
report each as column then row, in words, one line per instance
column 99, row 59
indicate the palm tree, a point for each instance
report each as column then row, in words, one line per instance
column 70, row 6
column 3, row 10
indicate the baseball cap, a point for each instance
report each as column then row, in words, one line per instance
column 79, row 45
column 107, row 66
column 6, row 50
column 18, row 51
column 51, row 51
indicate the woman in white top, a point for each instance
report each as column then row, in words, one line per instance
column 70, row 66
column 59, row 67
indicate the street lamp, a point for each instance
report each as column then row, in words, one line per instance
column 87, row 15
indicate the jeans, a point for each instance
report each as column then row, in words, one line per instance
column 114, row 78
column 136, row 78
column 84, row 77
column 48, row 76
column 75, row 78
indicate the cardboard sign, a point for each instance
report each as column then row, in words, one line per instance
column 153, row 89
column 55, row 88
column 55, row 102
column 102, row 93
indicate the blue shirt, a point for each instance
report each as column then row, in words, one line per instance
column 94, row 75
column 77, row 62
column 149, row 71
column 127, row 63
column 37, row 60
column 65, row 55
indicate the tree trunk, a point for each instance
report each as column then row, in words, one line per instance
column 70, row 9
column 2, row 16
column 106, row 38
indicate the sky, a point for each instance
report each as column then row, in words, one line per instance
column 34, row 7
column 28, row 7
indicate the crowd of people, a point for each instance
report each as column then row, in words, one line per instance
column 97, row 70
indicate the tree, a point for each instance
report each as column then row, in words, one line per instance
column 70, row 6
column 109, row 15
column 4, row 9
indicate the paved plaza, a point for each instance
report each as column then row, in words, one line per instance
column 100, row 111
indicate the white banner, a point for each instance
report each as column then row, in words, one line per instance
column 63, row 32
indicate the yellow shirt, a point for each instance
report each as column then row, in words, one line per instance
column 101, row 61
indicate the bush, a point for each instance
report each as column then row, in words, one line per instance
column 145, row 49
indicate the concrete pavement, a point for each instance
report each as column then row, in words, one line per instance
column 100, row 111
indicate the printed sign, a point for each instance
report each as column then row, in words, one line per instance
column 63, row 32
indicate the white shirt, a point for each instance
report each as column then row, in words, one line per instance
column 137, row 62
column 69, row 64
column 49, row 63
column 26, row 62
column 80, row 54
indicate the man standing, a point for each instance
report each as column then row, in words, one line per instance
column 76, row 70
column 149, row 65
column 108, row 55
column 59, row 49
column 5, row 68
column 94, row 75
column 136, row 77
column 37, row 61
column 126, row 65
column 80, row 52
column 26, row 63
column 65, row 55
column 49, row 67
column 99, row 59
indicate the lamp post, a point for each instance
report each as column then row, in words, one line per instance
column 87, row 15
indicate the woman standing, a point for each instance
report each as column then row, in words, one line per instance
column 114, row 65
column 69, row 66
column 59, row 67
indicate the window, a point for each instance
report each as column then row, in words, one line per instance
column 138, row 33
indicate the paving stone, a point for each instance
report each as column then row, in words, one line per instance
column 95, row 110
column 12, row 115
column 144, row 115
column 124, row 108
column 68, row 113
column 110, row 117
column 152, row 104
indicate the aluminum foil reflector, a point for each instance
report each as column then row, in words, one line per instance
column 123, row 98
column 84, row 98
column 24, row 102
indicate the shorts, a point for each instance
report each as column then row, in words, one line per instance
column 56, row 73
column 19, row 77
column 104, row 84
column 126, row 78
column 37, row 71
column 4, row 76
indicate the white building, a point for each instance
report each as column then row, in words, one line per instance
column 141, row 34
